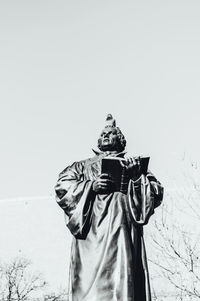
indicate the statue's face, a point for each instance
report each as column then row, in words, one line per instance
column 108, row 140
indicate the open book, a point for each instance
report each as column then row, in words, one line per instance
column 113, row 166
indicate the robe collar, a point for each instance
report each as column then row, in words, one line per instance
column 98, row 153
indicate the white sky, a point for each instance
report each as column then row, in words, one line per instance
column 63, row 66
column 35, row 229
column 66, row 64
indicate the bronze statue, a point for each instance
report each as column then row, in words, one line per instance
column 108, row 259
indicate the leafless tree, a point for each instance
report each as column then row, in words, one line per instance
column 17, row 282
column 175, row 250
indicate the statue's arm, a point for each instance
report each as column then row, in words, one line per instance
column 75, row 196
column 144, row 195
column 68, row 182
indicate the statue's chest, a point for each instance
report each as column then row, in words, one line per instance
column 92, row 170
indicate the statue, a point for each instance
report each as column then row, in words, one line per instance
column 108, row 259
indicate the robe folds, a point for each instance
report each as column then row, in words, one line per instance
column 108, row 259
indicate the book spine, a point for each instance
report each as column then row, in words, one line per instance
column 124, row 181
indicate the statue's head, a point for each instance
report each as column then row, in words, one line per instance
column 111, row 138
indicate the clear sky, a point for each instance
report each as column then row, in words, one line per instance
column 66, row 64
column 63, row 66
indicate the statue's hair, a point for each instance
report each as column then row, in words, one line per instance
column 121, row 141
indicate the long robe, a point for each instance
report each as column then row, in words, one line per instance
column 108, row 259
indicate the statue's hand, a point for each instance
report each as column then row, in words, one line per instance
column 103, row 184
column 133, row 167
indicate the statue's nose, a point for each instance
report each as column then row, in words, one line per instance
column 106, row 135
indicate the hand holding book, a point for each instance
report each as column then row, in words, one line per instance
column 132, row 166
column 122, row 170
column 103, row 184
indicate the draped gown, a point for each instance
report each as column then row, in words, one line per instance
column 108, row 259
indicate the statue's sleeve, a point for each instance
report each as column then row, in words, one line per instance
column 144, row 195
column 75, row 196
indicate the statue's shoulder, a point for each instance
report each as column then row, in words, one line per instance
column 86, row 162
column 92, row 160
column 81, row 165
column 76, row 166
